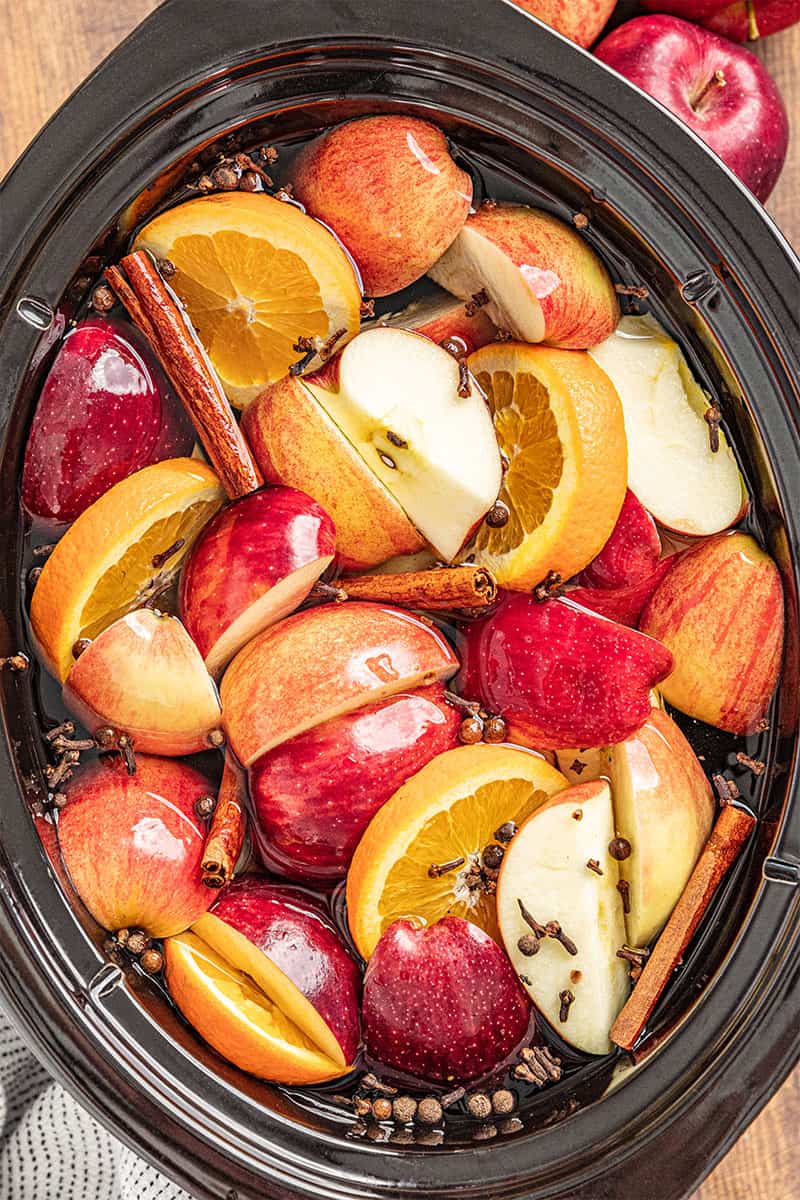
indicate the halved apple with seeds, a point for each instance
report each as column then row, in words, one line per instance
column 266, row 980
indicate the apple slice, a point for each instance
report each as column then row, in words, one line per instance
column 544, row 282
column 440, row 316
column 144, row 676
column 397, row 398
column 624, row 604
column 671, row 467
column 253, row 564
column 664, row 807
column 324, row 662
column 545, row 873
column 630, row 554
column 560, row 674
column 296, row 443
column 720, row 610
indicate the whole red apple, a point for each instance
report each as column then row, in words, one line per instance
column 105, row 411
column 390, row 189
column 132, row 844
column 252, row 565
column 721, row 91
column 740, row 20
column 580, row 20
column 295, row 933
column 559, row 674
column 313, row 797
column 442, row 1003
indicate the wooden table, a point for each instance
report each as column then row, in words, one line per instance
column 49, row 47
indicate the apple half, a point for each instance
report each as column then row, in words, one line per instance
column 324, row 662
column 144, row 676
column 545, row 876
column 671, row 467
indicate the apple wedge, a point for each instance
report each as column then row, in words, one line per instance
column 322, row 663
column 253, row 564
column 545, row 878
column 439, row 316
column 428, row 435
column 664, row 807
column 544, row 283
column 144, row 676
column 672, row 469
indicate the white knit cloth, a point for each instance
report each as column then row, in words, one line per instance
column 50, row 1149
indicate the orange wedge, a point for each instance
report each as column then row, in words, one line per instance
column 560, row 424
column 447, row 811
column 108, row 562
column 256, row 274
column 234, row 1014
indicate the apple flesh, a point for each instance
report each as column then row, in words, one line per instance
column 442, row 1003
column 442, row 317
column 720, row 610
column 544, row 872
column 253, row 564
column 287, row 944
column 663, row 806
column 322, row 663
column 630, row 554
column 671, row 467
column 720, row 90
column 559, row 674
column 105, row 411
column 296, row 443
column 624, row 604
column 390, row 189
column 580, row 20
column 133, row 844
column 144, row 676
column 313, row 797
column 395, row 396
column 544, row 282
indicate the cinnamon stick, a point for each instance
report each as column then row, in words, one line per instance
column 731, row 831
column 440, row 588
column 226, row 832
column 156, row 310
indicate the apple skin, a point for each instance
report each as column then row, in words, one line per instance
column 390, row 190
column 559, row 674
column 273, row 537
column 624, row 604
column 442, row 1003
column 133, row 844
column 630, row 554
column 294, row 932
column 768, row 16
column 144, row 676
column 313, row 797
column 321, row 663
column 580, row 20
column 720, row 610
column 664, row 806
column 105, row 411
column 744, row 121
column 296, row 443
column 559, row 271
column 689, row 10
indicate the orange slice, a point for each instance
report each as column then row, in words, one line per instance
column 560, row 424
column 107, row 563
column 256, row 274
column 447, row 811
column 232, row 1012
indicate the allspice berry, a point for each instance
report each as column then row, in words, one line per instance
column 204, row 807
column 151, row 962
column 503, row 1102
column 471, row 731
column 506, row 832
column 429, row 1111
column 404, row 1109
column 479, row 1106
column 619, row 848
column 225, row 178
column 528, row 945
column 382, row 1109
column 103, row 299
column 492, row 856
column 495, row 730
column 137, row 942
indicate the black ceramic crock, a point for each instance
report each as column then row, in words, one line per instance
column 662, row 211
